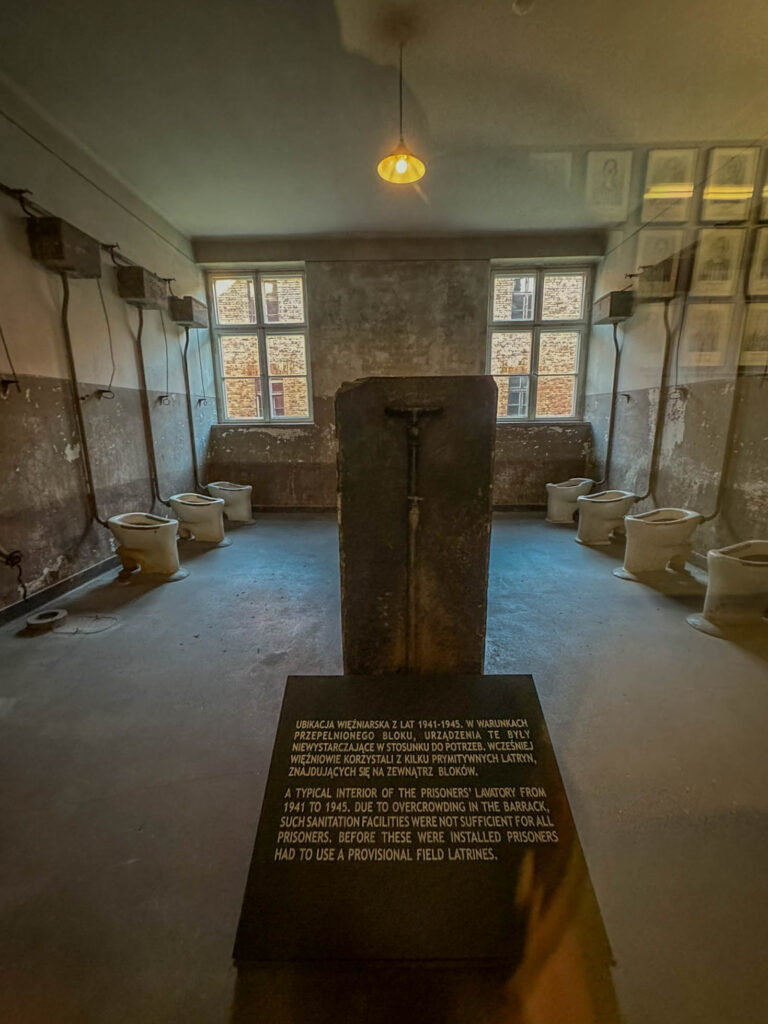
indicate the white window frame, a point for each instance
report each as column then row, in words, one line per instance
column 260, row 329
column 536, row 325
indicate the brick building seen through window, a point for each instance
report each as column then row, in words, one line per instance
column 263, row 364
column 536, row 332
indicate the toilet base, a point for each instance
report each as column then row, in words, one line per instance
column 722, row 632
column 672, row 575
column 594, row 543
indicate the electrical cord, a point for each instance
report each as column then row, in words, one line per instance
column 107, row 392
column 14, row 376
column 77, row 405
column 13, row 560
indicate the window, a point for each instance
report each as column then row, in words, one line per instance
column 537, row 326
column 260, row 325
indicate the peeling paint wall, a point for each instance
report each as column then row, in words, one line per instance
column 389, row 317
column 43, row 503
column 694, row 455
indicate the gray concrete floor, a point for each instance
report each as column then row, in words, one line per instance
column 134, row 761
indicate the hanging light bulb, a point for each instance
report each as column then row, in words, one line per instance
column 401, row 167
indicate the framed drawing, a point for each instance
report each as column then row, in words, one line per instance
column 608, row 180
column 718, row 262
column 754, row 342
column 705, row 335
column 757, row 283
column 553, row 170
column 658, row 258
column 763, row 211
column 730, row 184
column 669, row 185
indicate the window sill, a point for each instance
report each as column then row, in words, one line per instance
column 555, row 422
column 229, row 424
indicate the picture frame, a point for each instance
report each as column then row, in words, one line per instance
column 729, row 184
column 705, row 334
column 658, row 262
column 553, row 169
column 717, row 263
column 757, row 282
column 754, row 337
column 608, row 179
column 669, row 185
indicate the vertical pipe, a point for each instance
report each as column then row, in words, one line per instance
column 148, row 434
column 190, row 411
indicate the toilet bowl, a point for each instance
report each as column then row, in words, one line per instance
column 657, row 539
column 200, row 517
column 600, row 514
column 737, row 590
column 147, row 542
column 562, row 497
column 237, row 500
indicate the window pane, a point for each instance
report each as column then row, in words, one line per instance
column 239, row 355
column 283, row 300
column 243, row 399
column 513, row 296
column 511, row 352
column 558, row 351
column 235, row 300
column 554, row 396
column 513, row 396
column 289, row 397
column 286, row 354
column 563, row 297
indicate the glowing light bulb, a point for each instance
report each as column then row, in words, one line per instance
column 401, row 166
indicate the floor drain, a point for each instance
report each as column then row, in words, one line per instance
column 47, row 619
column 83, row 625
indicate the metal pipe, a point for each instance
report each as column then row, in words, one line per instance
column 77, row 405
column 612, row 414
column 413, row 433
column 190, row 412
column 661, row 408
column 146, row 413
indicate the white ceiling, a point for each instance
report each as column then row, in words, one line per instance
column 268, row 116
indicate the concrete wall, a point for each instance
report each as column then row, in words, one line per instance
column 43, row 509
column 706, row 459
column 400, row 317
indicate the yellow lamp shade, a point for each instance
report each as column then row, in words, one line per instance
column 401, row 167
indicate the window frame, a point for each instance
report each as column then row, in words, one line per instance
column 260, row 329
column 536, row 325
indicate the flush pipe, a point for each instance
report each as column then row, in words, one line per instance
column 190, row 412
column 146, row 414
column 77, row 406
column 612, row 415
column 728, row 452
column 661, row 407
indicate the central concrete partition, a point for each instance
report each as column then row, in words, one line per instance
column 415, row 462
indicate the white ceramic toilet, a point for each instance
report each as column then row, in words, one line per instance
column 200, row 517
column 657, row 539
column 562, row 498
column 237, row 500
column 737, row 591
column 147, row 542
column 600, row 514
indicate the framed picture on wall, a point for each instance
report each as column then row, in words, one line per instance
column 669, row 185
column 757, row 284
column 754, row 340
column 718, row 262
column 729, row 184
column 607, row 186
column 763, row 208
column 553, row 170
column 658, row 259
column 705, row 334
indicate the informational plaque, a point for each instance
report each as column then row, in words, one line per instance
column 410, row 817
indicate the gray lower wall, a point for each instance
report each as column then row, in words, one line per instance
column 694, row 436
column 44, row 511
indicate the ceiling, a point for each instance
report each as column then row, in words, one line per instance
column 268, row 117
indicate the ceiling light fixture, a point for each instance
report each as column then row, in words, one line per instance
column 401, row 167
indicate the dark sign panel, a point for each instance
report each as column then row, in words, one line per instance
column 411, row 818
